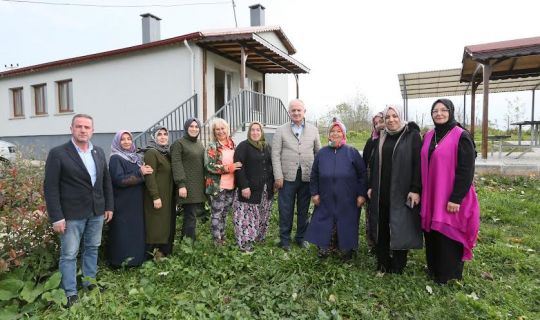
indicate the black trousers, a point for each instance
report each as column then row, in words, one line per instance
column 191, row 212
column 393, row 261
column 443, row 256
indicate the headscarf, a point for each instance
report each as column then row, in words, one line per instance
column 336, row 122
column 442, row 129
column 186, row 127
column 164, row 150
column 129, row 155
column 400, row 116
column 374, row 131
column 257, row 144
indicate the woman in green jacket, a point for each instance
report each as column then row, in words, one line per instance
column 159, row 211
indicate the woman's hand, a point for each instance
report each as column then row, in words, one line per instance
column 246, row 193
column 414, row 198
column 146, row 169
column 360, row 201
column 369, row 193
column 182, row 192
column 157, row 204
column 316, row 199
column 452, row 207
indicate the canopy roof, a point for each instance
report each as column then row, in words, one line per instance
column 519, row 58
column 444, row 83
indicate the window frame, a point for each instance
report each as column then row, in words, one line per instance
column 17, row 99
column 39, row 93
column 67, row 105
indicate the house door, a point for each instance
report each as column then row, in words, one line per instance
column 222, row 88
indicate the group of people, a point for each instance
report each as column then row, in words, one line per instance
column 412, row 189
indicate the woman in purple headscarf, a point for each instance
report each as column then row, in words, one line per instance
column 126, row 231
column 338, row 190
column 450, row 210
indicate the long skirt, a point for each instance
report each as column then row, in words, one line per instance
column 251, row 221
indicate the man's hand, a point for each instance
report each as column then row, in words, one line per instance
column 157, row 204
column 108, row 216
column 182, row 192
column 369, row 193
column 278, row 184
column 59, row 227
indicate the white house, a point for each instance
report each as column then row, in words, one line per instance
column 132, row 88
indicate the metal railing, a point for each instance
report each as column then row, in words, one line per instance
column 244, row 108
column 174, row 122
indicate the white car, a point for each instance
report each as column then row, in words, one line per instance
column 7, row 151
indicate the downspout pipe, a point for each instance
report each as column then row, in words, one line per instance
column 192, row 67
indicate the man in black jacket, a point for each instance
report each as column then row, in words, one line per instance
column 79, row 197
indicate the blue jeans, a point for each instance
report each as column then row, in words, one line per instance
column 89, row 231
column 291, row 191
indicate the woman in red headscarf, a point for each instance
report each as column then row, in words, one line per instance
column 338, row 189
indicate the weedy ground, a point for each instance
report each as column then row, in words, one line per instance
column 200, row 281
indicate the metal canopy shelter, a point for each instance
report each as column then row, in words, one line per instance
column 492, row 67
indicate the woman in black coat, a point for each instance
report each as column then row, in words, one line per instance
column 394, row 190
column 126, row 231
column 254, row 181
column 377, row 123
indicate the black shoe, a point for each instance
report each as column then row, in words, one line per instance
column 92, row 287
column 347, row 256
column 303, row 244
column 323, row 253
column 71, row 300
column 285, row 247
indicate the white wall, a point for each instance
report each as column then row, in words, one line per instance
column 273, row 39
column 126, row 92
column 277, row 85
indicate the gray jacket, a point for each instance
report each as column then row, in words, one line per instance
column 289, row 152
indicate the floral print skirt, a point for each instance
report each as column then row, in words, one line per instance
column 251, row 221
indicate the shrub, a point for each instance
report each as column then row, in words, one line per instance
column 24, row 226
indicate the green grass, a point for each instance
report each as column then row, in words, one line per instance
column 204, row 282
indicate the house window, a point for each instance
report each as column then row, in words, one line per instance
column 17, row 102
column 65, row 96
column 40, row 99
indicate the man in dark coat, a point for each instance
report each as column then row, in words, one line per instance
column 79, row 197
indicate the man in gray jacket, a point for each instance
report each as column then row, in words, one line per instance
column 294, row 146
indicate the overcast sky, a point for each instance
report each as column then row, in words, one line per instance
column 352, row 47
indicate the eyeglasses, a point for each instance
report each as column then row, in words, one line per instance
column 440, row 111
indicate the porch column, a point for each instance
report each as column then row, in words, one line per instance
column 487, row 75
column 243, row 58
column 473, row 107
column 297, row 86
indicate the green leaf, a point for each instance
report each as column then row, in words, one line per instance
column 57, row 296
column 9, row 312
column 29, row 293
column 9, row 289
column 53, row 282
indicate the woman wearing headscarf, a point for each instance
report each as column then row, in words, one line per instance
column 394, row 190
column 254, row 181
column 125, row 239
column 220, row 168
column 338, row 190
column 450, row 210
column 187, row 159
column 377, row 124
column 159, row 212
